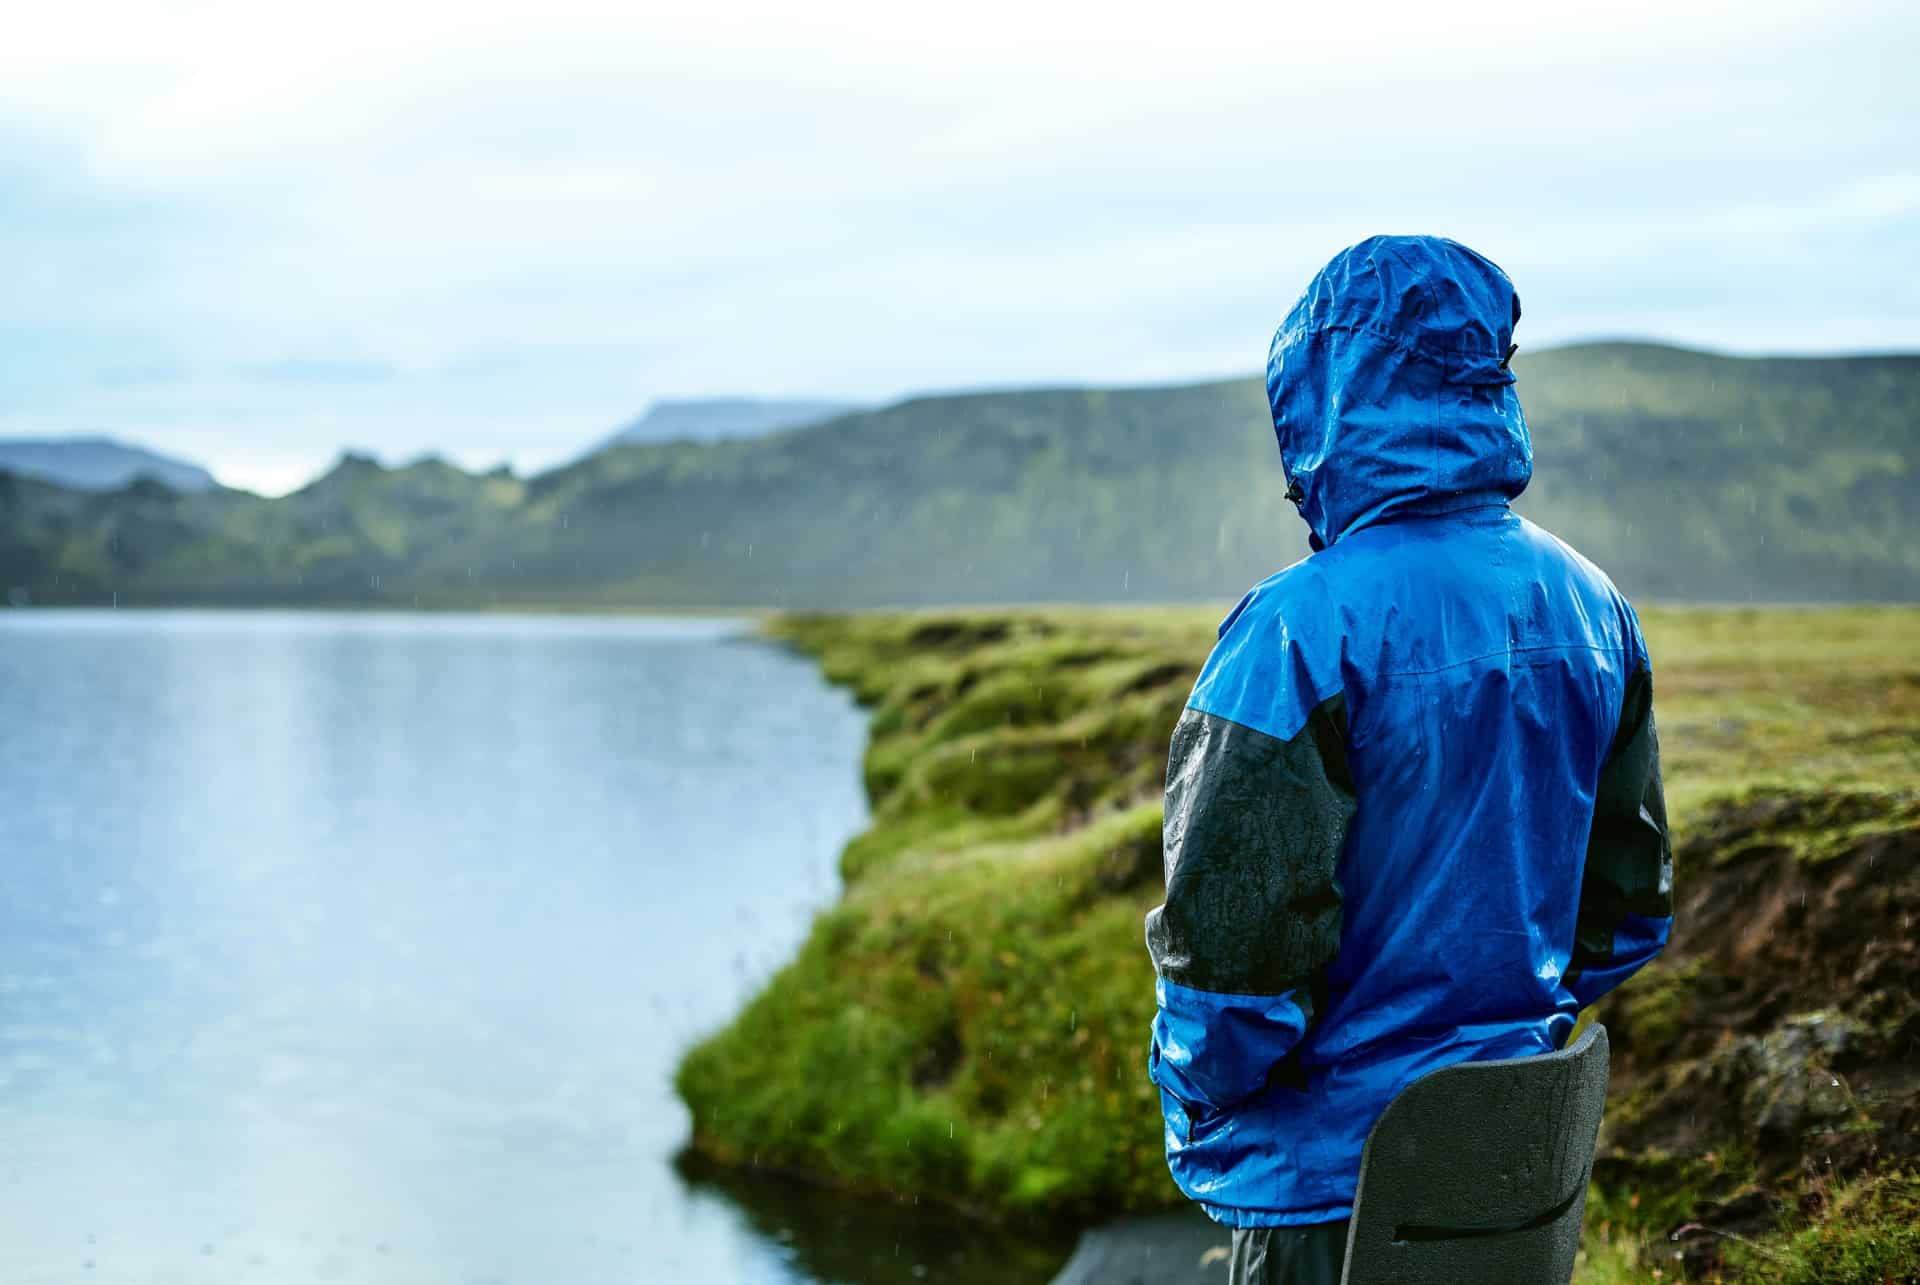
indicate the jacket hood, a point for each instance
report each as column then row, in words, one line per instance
column 1390, row 388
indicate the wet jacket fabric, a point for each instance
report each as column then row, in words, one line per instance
column 1413, row 806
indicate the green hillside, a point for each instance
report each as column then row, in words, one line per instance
column 1687, row 475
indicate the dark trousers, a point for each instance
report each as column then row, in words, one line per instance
column 1311, row 1255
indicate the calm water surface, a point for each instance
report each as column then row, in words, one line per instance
column 362, row 948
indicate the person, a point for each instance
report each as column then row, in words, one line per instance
column 1413, row 805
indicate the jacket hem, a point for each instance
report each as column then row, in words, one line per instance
column 1228, row 1216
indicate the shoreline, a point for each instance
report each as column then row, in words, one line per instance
column 963, row 1023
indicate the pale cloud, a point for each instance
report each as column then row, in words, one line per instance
column 255, row 233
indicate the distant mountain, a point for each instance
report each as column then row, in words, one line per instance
column 1686, row 475
column 98, row 464
column 713, row 419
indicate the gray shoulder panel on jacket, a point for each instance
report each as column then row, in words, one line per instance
column 1253, row 832
column 1629, row 865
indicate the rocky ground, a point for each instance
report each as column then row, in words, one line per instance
column 1766, row 1073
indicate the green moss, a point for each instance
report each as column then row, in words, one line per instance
column 1647, row 1194
column 1812, row 826
column 956, row 1039
column 1867, row 1234
column 988, row 729
column 1656, row 1004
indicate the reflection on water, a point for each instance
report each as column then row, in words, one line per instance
column 362, row 948
column 829, row 1238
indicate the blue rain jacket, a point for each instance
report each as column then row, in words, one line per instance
column 1413, row 810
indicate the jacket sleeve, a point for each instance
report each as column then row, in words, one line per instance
column 1253, row 831
column 1626, row 891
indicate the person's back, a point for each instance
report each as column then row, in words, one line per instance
column 1413, row 808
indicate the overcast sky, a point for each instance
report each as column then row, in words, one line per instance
column 256, row 233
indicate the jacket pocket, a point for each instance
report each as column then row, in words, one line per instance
column 1186, row 1119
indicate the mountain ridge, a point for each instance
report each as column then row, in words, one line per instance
column 96, row 462
column 1685, row 475
column 712, row 419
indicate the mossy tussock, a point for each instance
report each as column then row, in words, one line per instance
column 967, row 1025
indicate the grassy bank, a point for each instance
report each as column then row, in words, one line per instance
column 967, row 1025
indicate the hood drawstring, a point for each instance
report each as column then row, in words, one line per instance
column 1298, row 495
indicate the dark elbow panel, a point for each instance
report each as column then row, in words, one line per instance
column 1629, row 865
column 1253, row 832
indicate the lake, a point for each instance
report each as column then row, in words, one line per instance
column 362, row 948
